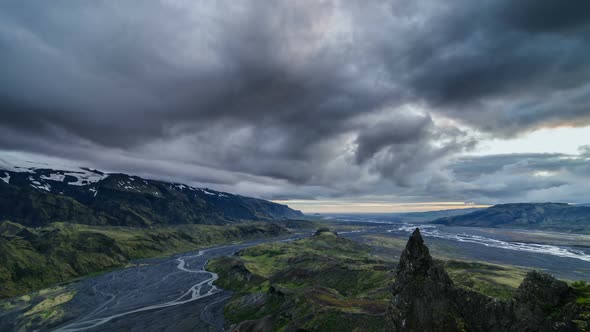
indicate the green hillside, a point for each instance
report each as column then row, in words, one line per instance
column 32, row 258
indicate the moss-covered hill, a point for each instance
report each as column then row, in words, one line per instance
column 32, row 258
column 323, row 283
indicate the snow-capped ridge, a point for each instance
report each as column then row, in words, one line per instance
column 6, row 177
column 82, row 176
column 123, row 200
column 42, row 175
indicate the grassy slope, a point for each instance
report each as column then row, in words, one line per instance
column 490, row 279
column 324, row 283
column 32, row 258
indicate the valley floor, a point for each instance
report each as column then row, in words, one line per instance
column 33, row 258
column 162, row 294
column 321, row 283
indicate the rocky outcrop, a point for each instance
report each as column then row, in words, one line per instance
column 422, row 290
column 426, row 299
column 324, row 231
column 264, row 324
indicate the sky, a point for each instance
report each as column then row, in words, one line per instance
column 328, row 106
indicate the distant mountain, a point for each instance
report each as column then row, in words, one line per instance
column 425, row 216
column 547, row 216
column 430, row 215
column 35, row 196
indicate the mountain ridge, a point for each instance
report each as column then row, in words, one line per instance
column 546, row 216
column 36, row 197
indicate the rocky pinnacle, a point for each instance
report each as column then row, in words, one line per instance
column 426, row 299
column 416, row 262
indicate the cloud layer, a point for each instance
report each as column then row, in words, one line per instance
column 302, row 99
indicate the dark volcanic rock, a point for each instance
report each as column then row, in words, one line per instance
column 542, row 288
column 426, row 299
column 416, row 263
column 544, row 303
column 264, row 324
column 423, row 292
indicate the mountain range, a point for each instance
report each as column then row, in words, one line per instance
column 547, row 216
column 38, row 196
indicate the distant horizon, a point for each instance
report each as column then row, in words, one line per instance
column 418, row 208
column 334, row 207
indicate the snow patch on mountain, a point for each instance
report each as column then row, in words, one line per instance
column 86, row 177
column 83, row 176
column 212, row 193
column 128, row 185
column 54, row 177
column 43, row 174
column 6, row 177
column 38, row 185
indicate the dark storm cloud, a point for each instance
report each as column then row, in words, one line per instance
column 399, row 147
column 546, row 16
column 298, row 99
column 403, row 130
column 504, row 66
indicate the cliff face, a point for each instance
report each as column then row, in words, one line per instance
column 425, row 299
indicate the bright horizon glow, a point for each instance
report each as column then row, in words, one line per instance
column 565, row 140
column 336, row 206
